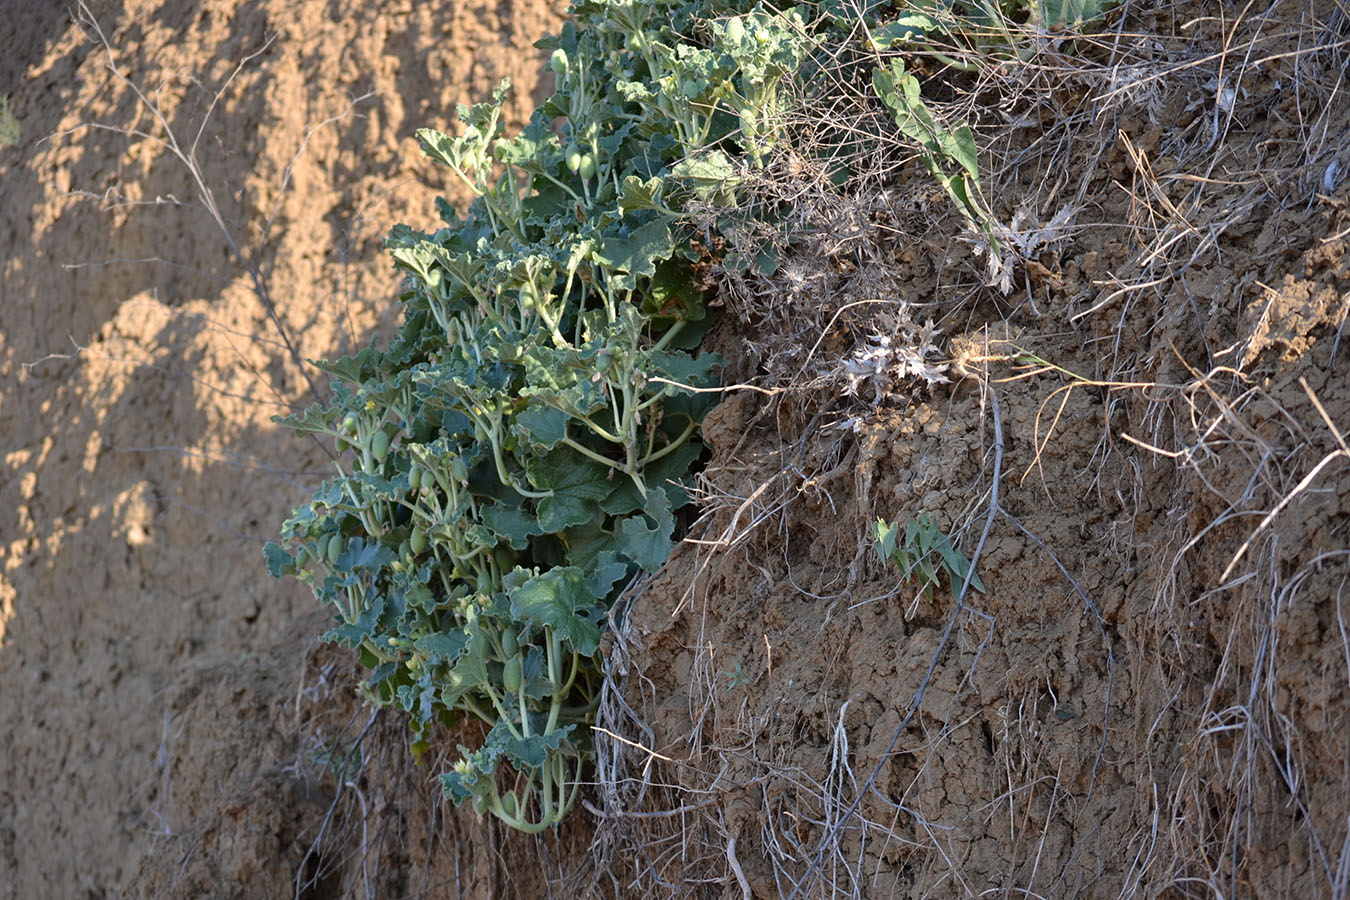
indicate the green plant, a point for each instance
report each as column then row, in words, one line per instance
column 950, row 155
column 517, row 453
column 925, row 554
column 737, row 680
column 963, row 35
column 10, row 131
column 973, row 34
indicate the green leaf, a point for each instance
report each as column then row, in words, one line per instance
column 576, row 483
column 531, row 752
column 561, row 599
column 884, row 535
column 314, row 420
column 646, row 544
column 1070, row 14
column 681, row 367
column 382, row 672
column 443, row 645
column 637, row 194
column 511, row 523
column 960, row 146
column 543, row 427
column 631, row 254
column 958, row 566
column 469, row 673
column 354, row 370
column 709, row 175
column 909, row 27
column 352, row 634
column 279, row 562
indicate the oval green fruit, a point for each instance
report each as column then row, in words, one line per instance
column 417, row 542
column 513, row 674
column 458, row 470
column 349, row 423
column 558, row 61
column 335, row 548
column 510, row 643
column 573, row 158
column 379, row 445
column 415, row 478
column 587, row 167
column 509, row 803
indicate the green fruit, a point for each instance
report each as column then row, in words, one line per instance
column 509, row 803
column 573, row 158
column 735, row 30
column 587, row 168
column 510, row 643
column 417, row 542
column 458, row 470
column 506, row 560
column 405, row 549
column 379, row 445
column 335, row 548
column 301, row 557
column 480, row 805
column 349, row 423
column 558, row 61
column 415, row 478
column 512, row 674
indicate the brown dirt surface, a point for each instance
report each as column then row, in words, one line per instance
column 148, row 674
column 1141, row 445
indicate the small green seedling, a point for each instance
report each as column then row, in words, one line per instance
column 924, row 555
column 736, row 678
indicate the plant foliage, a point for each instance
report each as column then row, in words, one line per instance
column 924, row 554
column 519, row 450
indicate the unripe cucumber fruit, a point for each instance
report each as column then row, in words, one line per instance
column 379, row 445
column 513, row 674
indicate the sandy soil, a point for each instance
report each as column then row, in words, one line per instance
column 1149, row 700
column 140, row 469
